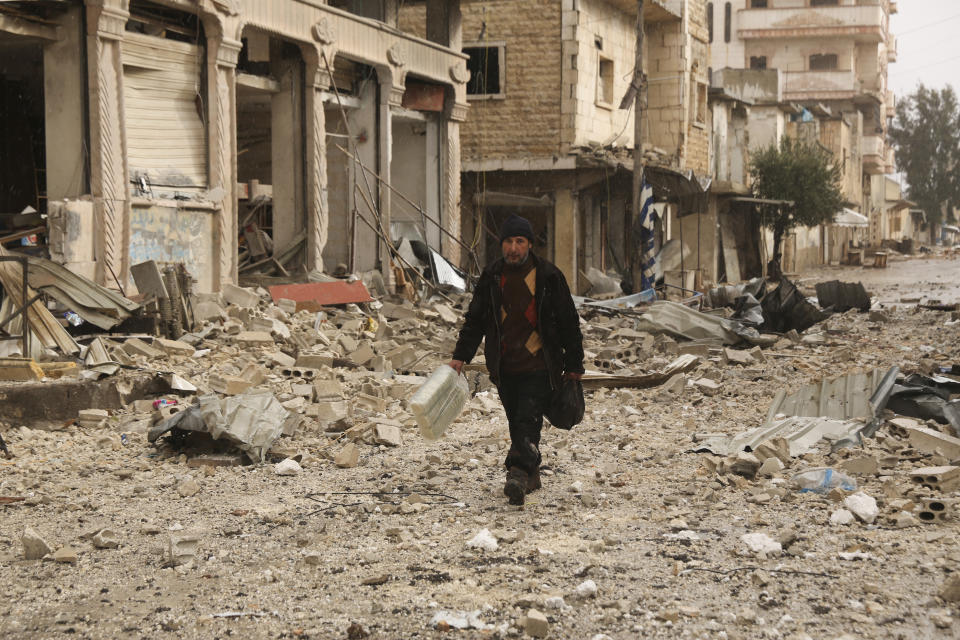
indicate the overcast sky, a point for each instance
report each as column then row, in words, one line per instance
column 928, row 45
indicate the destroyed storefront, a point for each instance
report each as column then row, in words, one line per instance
column 236, row 138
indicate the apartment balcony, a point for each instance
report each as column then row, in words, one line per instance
column 865, row 23
column 892, row 7
column 819, row 85
column 874, row 155
column 892, row 49
column 891, row 104
column 890, row 161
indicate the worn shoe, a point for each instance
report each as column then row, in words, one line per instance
column 533, row 481
column 516, row 486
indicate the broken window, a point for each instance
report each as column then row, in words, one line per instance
column 726, row 22
column 698, row 105
column 758, row 4
column 605, row 82
column 823, row 62
column 758, row 63
column 486, row 66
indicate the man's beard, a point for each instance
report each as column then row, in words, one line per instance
column 516, row 262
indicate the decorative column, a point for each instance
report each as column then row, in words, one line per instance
column 106, row 21
column 391, row 95
column 318, row 214
column 222, row 55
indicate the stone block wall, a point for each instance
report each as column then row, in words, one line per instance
column 526, row 122
column 595, row 30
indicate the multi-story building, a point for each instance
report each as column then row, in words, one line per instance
column 832, row 56
column 157, row 118
column 545, row 136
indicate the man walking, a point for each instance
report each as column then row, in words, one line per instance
column 522, row 308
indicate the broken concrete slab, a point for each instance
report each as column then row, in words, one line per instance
column 137, row 347
column 927, row 440
column 252, row 338
column 239, row 296
column 174, row 347
column 19, row 370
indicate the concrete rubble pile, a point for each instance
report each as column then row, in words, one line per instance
column 719, row 486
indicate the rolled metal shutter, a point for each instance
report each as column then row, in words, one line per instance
column 166, row 136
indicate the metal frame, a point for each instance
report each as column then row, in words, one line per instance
column 24, row 306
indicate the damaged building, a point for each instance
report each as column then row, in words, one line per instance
column 234, row 136
column 546, row 138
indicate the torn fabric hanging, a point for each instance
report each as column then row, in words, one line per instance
column 646, row 222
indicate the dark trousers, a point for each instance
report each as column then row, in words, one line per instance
column 525, row 396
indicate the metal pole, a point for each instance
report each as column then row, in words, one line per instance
column 635, row 93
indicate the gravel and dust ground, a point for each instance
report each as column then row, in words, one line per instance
column 380, row 549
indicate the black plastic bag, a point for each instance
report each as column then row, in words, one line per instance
column 566, row 405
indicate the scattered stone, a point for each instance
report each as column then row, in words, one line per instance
column 388, row 435
column 287, row 467
column 67, row 555
column 188, row 488
column 771, row 466
column 106, row 539
column 861, row 465
column 744, row 464
column 841, row 517
column 34, row 546
column 950, row 590
column 348, row 457
column 181, row 548
column 535, row 624
column 483, row 540
column 586, row 589
column 862, row 506
column 761, row 544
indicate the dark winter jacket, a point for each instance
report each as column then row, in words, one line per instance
column 557, row 322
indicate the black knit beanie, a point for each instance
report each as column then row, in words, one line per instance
column 516, row 226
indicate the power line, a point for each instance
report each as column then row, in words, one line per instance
column 927, row 26
column 925, row 66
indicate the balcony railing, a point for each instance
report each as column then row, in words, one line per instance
column 866, row 22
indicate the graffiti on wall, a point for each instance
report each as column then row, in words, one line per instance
column 168, row 235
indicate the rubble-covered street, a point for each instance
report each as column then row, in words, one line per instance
column 357, row 527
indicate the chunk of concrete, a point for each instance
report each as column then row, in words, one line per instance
column 34, row 545
column 19, row 370
column 929, row 441
column 744, row 464
column 228, row 385
column 137, row 347
column 348, row 457
column 536, row 625
column 253, row 338
column 181, row 548
column 862, row 506
column 388, row 435
column 239, row 296
column 861, row 465
column 174, row 347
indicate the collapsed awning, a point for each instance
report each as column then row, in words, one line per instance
column 850, row 218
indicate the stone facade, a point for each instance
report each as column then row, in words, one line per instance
column 307, row 41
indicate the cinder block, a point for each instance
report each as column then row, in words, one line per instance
column 934, row 510
column 943, row 479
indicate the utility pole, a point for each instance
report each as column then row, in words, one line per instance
column 635, row 93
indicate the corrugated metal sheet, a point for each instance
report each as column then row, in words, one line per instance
column 840, row 398
column 166, row 137
column 802, row 434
